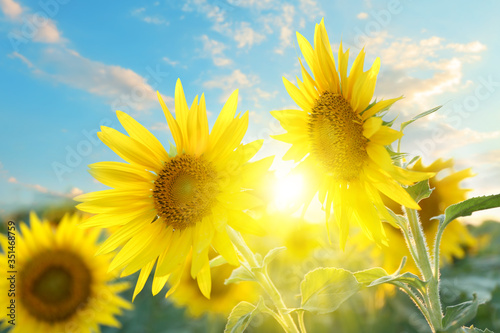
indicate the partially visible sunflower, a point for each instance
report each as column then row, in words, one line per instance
column 341, row 141
column 447, row 191
column 223, row 297
column 167, row 205
column 60, row 285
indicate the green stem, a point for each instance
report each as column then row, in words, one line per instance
column 263, row 279
column 416, row 300
column 302, row 325
column 423, row 262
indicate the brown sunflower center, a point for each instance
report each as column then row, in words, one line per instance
column 54, row 285
column 337, row 139
column 185, row 190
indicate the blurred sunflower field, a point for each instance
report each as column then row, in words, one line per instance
column 249, row 166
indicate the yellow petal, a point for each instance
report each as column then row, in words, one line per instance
column 382, row 105
column 204, row 280
column 141, row 134
column 225, row 117
column 297, row 95
column 143, row 277
column 385, row 135
column 129, row 149
column 222, row 244
column 172, row 125
column 371, row 126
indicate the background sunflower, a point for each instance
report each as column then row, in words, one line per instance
column 60, row 285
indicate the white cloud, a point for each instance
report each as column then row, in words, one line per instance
column 258, row 95
column 228, row 83
column 214, row 13
column 311, row 9
column 362, row 16
column 141, row 14
column 155, row 20
column 159, row 126
column 257, row 4
column 11, row 8
column 286, row 32
column 436, row 139
column 215, row 49
column 172, row 63
column 122, row 87
column 22, row 58
column 472, row 47
column 244, row 35
column 218, row 61
column 256, row 117
column 48, row 33
column 35, row 27
column 73, row 192
column 421, row 70
column 138, row 11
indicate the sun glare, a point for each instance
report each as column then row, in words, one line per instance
column 288, row 191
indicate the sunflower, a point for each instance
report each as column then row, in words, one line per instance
column 223, row 297
column 170, row 204
column 447, row 191
column 341, row 141
column 60, row 285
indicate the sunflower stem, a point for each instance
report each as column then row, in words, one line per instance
column 261, row 276
column 423, row 261
column 302, row 325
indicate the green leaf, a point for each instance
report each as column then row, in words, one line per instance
column 457, row 315
column 240, row 274
column 272, row 254
column 467, row 207
column 323, row 290
column 420, row 190
column 473, row 329
column 369, row 275
column 407, row 278
column 421, row 115
column 241, row 316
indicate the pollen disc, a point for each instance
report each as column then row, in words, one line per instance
column 185, row 191
column 54, row 285
column 337, row 139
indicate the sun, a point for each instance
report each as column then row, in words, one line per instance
column 288, row 190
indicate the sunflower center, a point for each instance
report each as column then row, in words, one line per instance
column 54, row 285
column 185, row 191
column 337, row 139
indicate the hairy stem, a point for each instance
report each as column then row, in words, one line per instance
column 263, row 279
column 423, row 261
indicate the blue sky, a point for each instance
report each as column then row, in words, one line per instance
column 66, row 65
